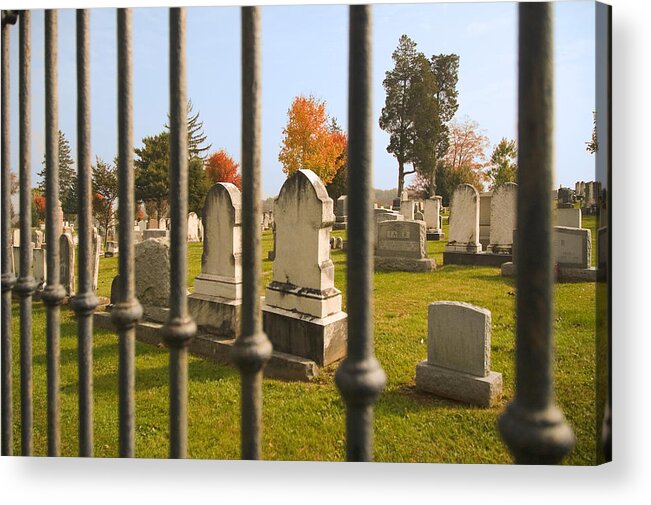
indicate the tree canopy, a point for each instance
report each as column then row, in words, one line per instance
column 105, row 192
column 311, row 140
column 220, row 167
column 464, row 160
column 503, row 166
column 421, row 98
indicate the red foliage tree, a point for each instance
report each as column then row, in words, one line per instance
column 220, row 167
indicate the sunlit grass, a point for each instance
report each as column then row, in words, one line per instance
column 306, row 421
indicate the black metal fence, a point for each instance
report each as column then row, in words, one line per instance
column 533, row 428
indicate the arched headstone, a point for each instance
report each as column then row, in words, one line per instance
column 464, row 221
column 503, row 218
column 302, row 312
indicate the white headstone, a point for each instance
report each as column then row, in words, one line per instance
column 39, row 266
column 432, row 212
column 464, row 221
column 193, row 227
column 221, row 262
column 570, row 218
column 503, row 218
column 96, row 246
column 303, row 273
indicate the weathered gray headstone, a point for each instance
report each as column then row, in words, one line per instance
column 572, row 247
column 152, row 266
column 155, row 233
column 402, row 246
column 464, row 221
column 341, row 213
column 503, row 218
column 302, row 311
column 458, row 355
column 67, row 265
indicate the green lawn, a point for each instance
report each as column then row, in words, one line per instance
column 306, row 421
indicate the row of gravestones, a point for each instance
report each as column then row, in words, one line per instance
column 67, row 263
column 302, row 313
column 572, row 244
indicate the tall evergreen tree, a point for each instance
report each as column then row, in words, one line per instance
column 503, row 166
column 196, row 136
column 67, row 177
column 396, row 117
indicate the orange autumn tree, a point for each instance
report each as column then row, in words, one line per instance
column 311, row 141
column 220, row 167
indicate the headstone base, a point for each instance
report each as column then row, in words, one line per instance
column 480, row 391
column 394, row 264
column 480, row 259
column 322, row 340
column 500, row 249
column 280, row 366
column 215, row 315
column 563, row 274
column 435, row 234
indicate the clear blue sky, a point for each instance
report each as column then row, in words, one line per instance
column 305, row 52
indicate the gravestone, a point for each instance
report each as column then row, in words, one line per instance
column 200, row 227
column 115, row 287
column 432, row 215
column 67, row 265
column 464, row 221
column 216, row 302
column 302, row 311
column 572, row 247
column 503, row 218
column 193, row 227
column 458, row 355
column 153, row 224
column 271, row 255
column 419, row 216
column 341, row 213
column 570, row 218
column 96, row 245
column 111, row 249
column 37, row 238
column 15, row 237
column 155, row 233
column 152, row 267
column 572, row 255
column 380, row 215
column 142, row 225
column 407, row 209
column 402, row 246
column 39, row 267
column 485, row 200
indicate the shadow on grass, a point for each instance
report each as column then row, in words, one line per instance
column 199, row 371
column 407, row 399
column 100, row 352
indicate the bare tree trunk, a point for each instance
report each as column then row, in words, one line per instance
column 401, row 177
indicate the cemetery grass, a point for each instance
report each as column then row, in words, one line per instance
column 306, row 421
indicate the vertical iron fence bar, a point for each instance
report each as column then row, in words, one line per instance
column 252, row 349
column 85, row 302
column 360, row 377
column 532, row 426
column 127, row 310
column 54, row 293
column 8, row 276
column 26, row 284
column 180, row 328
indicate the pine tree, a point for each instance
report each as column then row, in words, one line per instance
column 67, row 177
column 196, row 137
